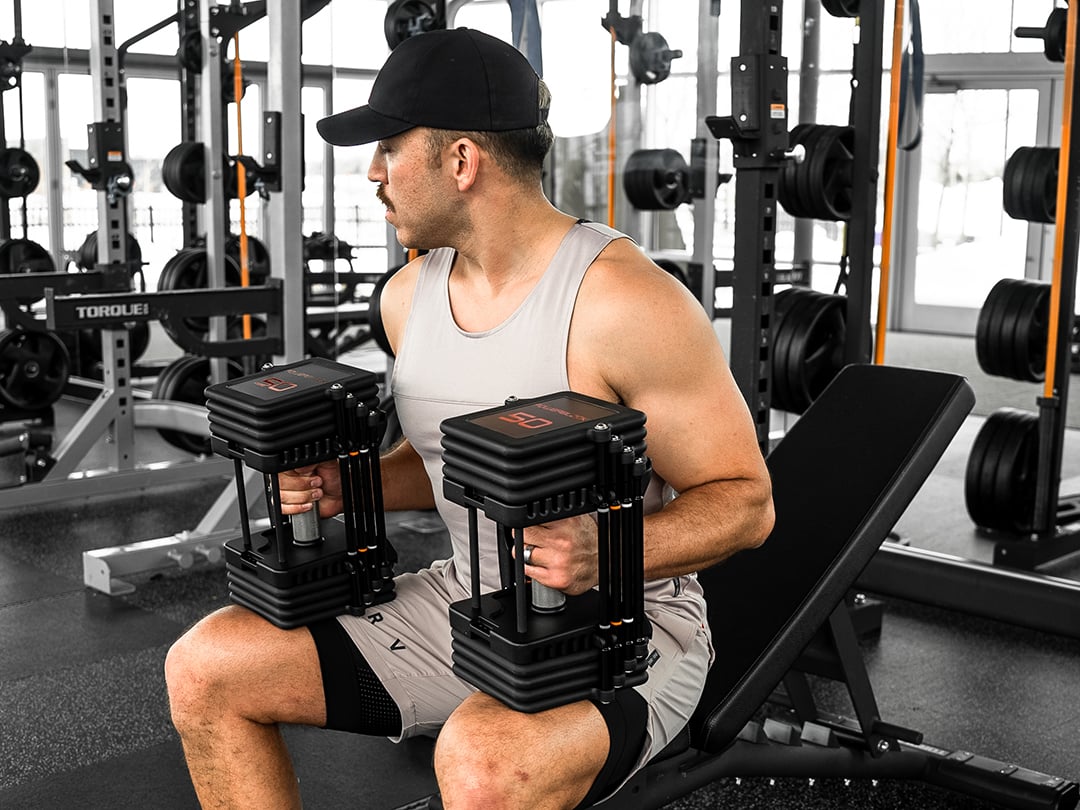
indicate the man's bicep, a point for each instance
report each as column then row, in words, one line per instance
column 699, row 428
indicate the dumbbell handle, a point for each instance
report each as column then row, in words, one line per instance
column 545, row 599
column 305, row 527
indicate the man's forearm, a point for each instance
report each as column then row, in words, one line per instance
column 706, row 525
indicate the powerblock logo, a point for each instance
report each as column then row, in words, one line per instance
column 86, row 312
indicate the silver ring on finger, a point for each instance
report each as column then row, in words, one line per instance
column 527, row 556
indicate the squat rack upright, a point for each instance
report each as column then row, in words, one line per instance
column 113, row 413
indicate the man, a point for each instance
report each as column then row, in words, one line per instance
column 515, row 298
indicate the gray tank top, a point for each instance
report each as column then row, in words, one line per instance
column 443, row 371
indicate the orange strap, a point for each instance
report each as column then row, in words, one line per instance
column 241, row 176
column 611, row 142
column 1062, row 202
column 890, row 183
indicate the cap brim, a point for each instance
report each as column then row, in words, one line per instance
column 359, row 125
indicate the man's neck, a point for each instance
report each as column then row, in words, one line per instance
column 512, row 240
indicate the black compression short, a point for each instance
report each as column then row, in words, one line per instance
column 357, row 702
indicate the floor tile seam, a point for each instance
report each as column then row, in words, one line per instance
column 43, row 598
column 79, row 668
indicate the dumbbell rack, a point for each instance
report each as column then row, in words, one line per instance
column 536, row 461
column 300, row 570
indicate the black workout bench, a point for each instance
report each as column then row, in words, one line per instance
column 842, row 477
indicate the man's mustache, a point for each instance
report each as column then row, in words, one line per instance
column 383, row 198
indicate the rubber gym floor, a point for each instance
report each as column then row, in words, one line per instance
column 84, row 718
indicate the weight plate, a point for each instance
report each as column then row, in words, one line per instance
column 1017, row 472
column 979, row 474
column 977, row 498
column 1029, row 184
column 811, row 177
column 1012, row 183
column 1022, row 169
column 138, row 342
column 820, row 186
column 650, row 57
column 187, row 270
column 794, row 301
column 789, row 176
column 1031, row 331
column 258, row 257
column 808, row 172
column 24, row 256
column 1007, row 326
column 1012, row 330
column 999, row 483
column 1054, row 34
column 185, row 380
column 841, row 8
column 86, row 258
column 34, row 368
column 817, row 347
column 838, row 157
column 1047, row 160
column 656, row 179
column 820, row 344
column 19, row 173
column 792, row 304
column 996, row 451
column 407, row 18
column 987, row 345
column 184, row 171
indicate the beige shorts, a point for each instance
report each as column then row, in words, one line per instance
column 407, row 644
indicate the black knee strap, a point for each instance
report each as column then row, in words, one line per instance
column 626, row 717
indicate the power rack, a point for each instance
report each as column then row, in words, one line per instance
column 301, row 570
column 535, row 461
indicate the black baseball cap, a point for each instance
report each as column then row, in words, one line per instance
column 447, row 79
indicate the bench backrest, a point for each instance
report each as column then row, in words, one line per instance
column 842, row 477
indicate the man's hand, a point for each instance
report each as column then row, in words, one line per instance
column 564, row 554
column 304, row 486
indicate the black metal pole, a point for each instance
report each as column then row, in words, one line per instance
column 866, row 119
column 758, row 131
column 241, row 500
column 474, row 560
column 188, row 11
column 521, row 600
column 1052, row 408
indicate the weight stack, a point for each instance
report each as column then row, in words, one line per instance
column 299, row 571
column 535, row 461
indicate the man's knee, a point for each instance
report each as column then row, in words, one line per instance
column 470, row 769
column 198, row 667
column 490, row 757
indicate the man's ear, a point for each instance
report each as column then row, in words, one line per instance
column 465, row 162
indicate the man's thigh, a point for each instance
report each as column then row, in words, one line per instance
column 406, row 642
